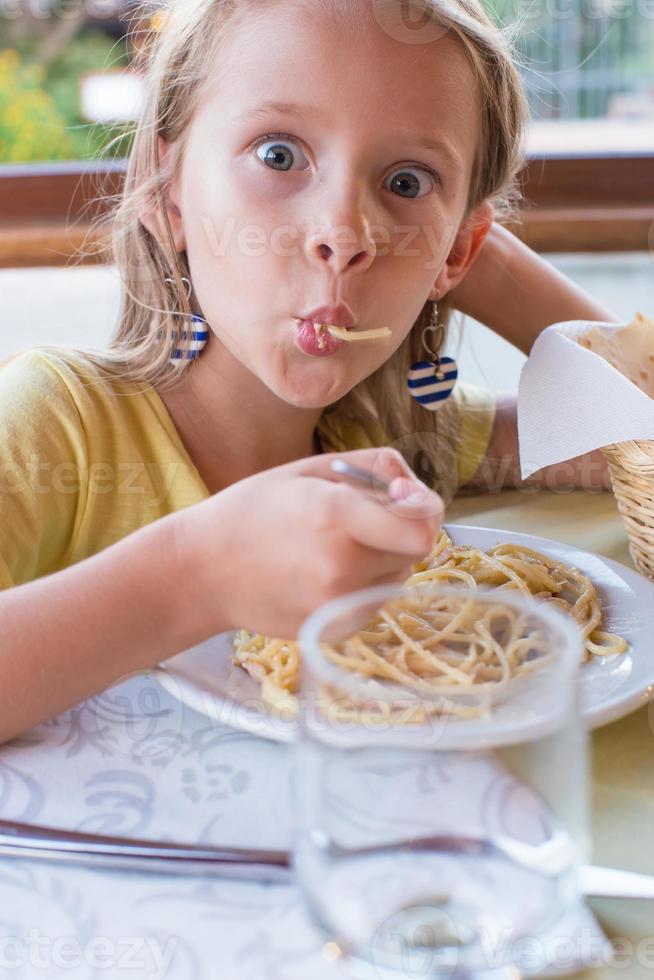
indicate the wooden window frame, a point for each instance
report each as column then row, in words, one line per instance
column 589, row 202
column 574, row 203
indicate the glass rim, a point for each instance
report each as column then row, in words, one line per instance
column 556, row 620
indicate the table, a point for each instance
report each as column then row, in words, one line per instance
column 623, row 752
column 135, row 762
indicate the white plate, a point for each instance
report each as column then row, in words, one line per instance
column 205, row 678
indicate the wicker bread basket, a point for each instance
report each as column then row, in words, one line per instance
column 631, row 465
column 630, row 350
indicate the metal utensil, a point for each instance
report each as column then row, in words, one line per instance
column 132, row 854
column 614, row 883
column 358, row 474
column 253, row 864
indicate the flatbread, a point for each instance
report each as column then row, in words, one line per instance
column 629, row 349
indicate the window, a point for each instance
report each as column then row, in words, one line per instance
column 587, row 67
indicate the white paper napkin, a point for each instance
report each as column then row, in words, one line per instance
column 571, row 401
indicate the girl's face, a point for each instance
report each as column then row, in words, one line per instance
column 306, row 181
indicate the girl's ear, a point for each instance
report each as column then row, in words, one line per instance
column 149, row 214
column 465, row 248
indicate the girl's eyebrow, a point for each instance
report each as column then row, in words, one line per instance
column 437, row 145
column 283, row 108
column 302, row 111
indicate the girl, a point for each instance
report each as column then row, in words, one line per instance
column 296, row 162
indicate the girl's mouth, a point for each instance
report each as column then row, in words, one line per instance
column 321, row 339
column 314, row 339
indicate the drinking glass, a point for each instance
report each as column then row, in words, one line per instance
column 440, row 821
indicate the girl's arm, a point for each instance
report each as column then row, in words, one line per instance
column 71, row 634
column 501, row 467
column 517, row 293
column 220, row 564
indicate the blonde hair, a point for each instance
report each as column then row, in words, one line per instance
column 176, row 67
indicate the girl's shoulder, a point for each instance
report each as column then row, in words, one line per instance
column 40, row 371
column 80, row 465
column 48, row 381
column 35, row 385
column 43, row 448
column 55, row 402
column 74, row 368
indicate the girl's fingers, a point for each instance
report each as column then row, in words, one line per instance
column 402, row 487
column 406, row 525
column 386, row 464
column 379, row 565
column 383, row 462
column 400, row 527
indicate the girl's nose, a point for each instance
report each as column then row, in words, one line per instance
column 341, row 258
column 342, row 238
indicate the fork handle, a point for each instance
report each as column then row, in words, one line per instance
column 131, row 854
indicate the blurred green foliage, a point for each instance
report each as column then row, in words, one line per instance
column 40, row 115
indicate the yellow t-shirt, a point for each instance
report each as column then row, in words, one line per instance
column 85, row 462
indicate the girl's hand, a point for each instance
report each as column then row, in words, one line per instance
column 268, row 550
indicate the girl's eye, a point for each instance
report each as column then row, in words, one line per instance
column 277, row 155
column 280, row 153
column 407, row 184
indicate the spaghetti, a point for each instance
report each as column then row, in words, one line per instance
column 343, row 334
column 443, row 648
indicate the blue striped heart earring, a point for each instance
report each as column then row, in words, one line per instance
column 432, row 382
column 189, row 343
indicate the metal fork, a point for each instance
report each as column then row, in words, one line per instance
column 252, row 864
column 357, row 474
